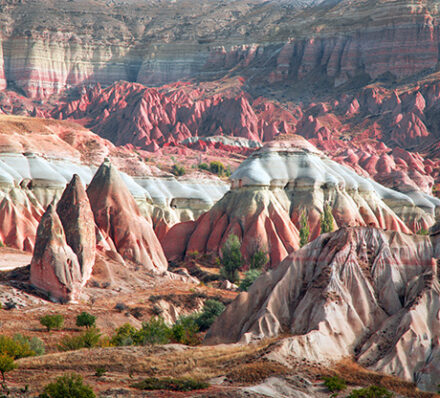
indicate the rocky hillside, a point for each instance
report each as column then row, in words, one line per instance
column 275, row 185
column 356, row 292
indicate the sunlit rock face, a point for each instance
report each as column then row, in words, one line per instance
column 357, row 291
column 120, row 222
column 65, row 245
column 275, row 185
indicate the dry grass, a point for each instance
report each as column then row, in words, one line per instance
column 257, row 371
column 356, row 375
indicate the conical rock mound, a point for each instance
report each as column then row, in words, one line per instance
column 55, row 267
column 358, row 291
column 78, row 223
column 118, row 218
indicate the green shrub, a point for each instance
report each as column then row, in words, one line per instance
column 52, row 321
column 68, row 386
column 35, row 344
column 327, row 220
column 335, row 384
column 304, row 230
column 85, row 319
column 217, row 167
column 88, row 339
column 155, row 331
column 17, row 347
column 211, row 310
column 6, row 365
column 184, row 331
column 100, row 371
column 178, row 170
column 249, row 278
column 125, row 335
column 258, row 259
column 423, row 231
column 371, row 392
column 203, row 166
column 180, row 384
column 231, row 259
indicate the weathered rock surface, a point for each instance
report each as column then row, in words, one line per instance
column 55, row 268
column 120, row 222
column 78, row 223
column 276, row 184
column 358, row 291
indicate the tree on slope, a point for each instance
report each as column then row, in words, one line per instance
column 327, row 220
column 231, row 259
column 304, row 230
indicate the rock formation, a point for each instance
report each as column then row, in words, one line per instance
column 55, row 268
column 78, row 223
column 65, row 246
column 358, row 291
column 272, row 188
column 120, row 222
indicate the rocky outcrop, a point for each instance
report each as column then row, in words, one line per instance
column 78, row 223
column 357, row 291
column 65, row 246
column 55, row 268
column 275, row 185
column 120, row 222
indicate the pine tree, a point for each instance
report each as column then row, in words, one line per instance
column 304, row 230
column 327, row 220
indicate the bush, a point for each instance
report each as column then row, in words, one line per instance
column 304, row 230
column 85, row 319
column 211, row 310
column 100, row 371
column 371, row 392
column 203, row 166
column 335, row 384
column 184, row 331
column 423, row 231
column 125, row 335
column 52, row 321
column 178, row 170
column 180, row 384
column 6, row 365
column 217, row 167
column 35, row 344
column 88, row 339
column 231, row 259
column 17, row 347
column 249, row 278
column 68, row 386
column 155, row 331
column 258, row 260
column 327, row 220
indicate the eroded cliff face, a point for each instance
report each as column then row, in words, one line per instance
column 275, row 185
column 357, row 291
column 169, row 42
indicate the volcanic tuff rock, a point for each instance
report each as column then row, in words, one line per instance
column 65, row 246
column 276, row 184
column 55, row 268
column 171, row 41
column 358, row 291
column 120, row 222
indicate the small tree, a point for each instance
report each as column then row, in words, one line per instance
column 178, row 170
column 85, row 319
column 249, row 278
column 211, row 310
column 258, row 260
column 327, row 220
column 6, row 365
column 304, row 230
column 155, row 331
column 68, row 386
column 52, row 321
column 231, row 259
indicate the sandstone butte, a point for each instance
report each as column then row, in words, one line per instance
column 275, row 185
column 360, row 292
